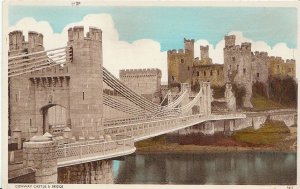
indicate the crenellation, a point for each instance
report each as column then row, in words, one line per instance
column 175, row 52
column 94, row 33
column 145, row 82
column 290, row 61
column 246, row 46
column 35, row 39
column 139, row 72
column 259, row 55
column 16, row 39
column 76, row 33
column 229, row 41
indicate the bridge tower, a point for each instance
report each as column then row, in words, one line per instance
column 205, row 102
column 86, row 103
column 20, row 91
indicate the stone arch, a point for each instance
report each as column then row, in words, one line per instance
column 55, row 118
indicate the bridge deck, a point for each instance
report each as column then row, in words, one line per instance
column 80, row 152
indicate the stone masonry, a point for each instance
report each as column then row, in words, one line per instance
column 237, row 66
column 184, row 68
column 241, row 66
column 145, row 82
column 180, row 63
column 40, row 153
column 244, row 67
column 77, row 87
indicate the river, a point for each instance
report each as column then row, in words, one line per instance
column 254, row 168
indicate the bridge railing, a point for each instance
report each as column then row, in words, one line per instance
column 98, row 148
column 149, row 129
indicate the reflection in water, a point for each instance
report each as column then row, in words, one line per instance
column 207, row 168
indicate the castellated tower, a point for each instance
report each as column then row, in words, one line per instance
column 86, row 103
column 20, row 90
column 229, row 41
column 180, row 63
column 237, row 66
column 204, row 51
column 189, row 47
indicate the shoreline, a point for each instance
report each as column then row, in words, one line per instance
column 176, row 148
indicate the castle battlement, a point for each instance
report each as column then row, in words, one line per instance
column 229, row 41
column 176, row 52
column 246, row 46
column 17, row 40
column 144, row 71
column 258, row 54
column 281, row 60
column 233, row 48
column 35, row 39
column 290, row 61
column 77, row 33
column 189, row 40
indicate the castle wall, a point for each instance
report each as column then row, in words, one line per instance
column 145, row 82
column 260, row 70
column 180, row 63
column 212, row 73
column 278, row 67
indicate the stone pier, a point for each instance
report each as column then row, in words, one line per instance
column 40, row 154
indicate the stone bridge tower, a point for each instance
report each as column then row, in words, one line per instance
column 21, row 111
column 86, row 103
column 75, row 89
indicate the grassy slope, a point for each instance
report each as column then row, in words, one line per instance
column 270, row 133
column 156, row 141
column 261, row 103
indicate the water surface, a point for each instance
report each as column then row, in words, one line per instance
column 207, row 168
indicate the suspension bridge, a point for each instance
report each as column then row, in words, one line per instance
column 72, row 77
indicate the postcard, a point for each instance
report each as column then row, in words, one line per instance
column 147, row 94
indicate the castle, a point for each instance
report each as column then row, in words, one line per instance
column 184, row 68
column 244, row 67
column 241, row 66
column 145, row 82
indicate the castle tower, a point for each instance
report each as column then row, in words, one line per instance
column 204, row 51
column 86, row 103
column 229, row 41
column 21, row 111
column 189, row 47
column 35, row 41
column 238, row 66
column 16, row 40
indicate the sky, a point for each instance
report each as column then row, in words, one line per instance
column 138, row 37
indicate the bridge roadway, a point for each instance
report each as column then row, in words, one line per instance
column 126, row 135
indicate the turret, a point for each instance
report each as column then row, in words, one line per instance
column 229, row 41
column 189, row 47
column 16, row 40
column 246, row 46
column 76, row 33
column 204, row 51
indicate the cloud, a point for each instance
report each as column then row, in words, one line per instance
column 216, row 52
column 143, row 53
